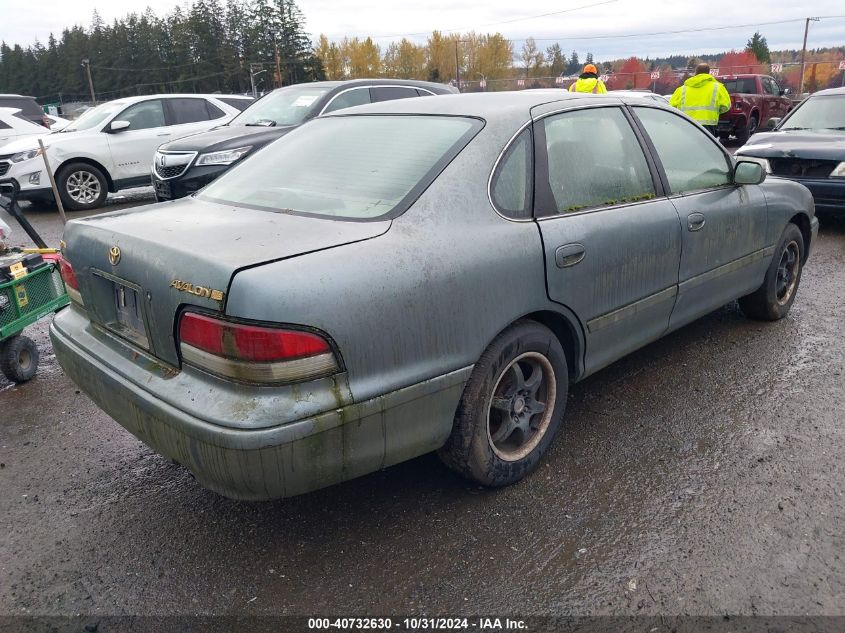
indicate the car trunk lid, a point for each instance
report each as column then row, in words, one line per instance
column 137, row 268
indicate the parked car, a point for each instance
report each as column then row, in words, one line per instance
column 417, row 275
column 754, row 100
column 57, row 123
column 110, row 147
column 184, row 166
column 808, row 146
column 28, row 106
column 642, row 94
column 14, row 126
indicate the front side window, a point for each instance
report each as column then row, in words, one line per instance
column 352, row 167
column 144, row 115
column 690, row 157
column 512, row 182
column 595, row 160
column 356, row 96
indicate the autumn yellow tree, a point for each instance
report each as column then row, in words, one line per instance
column 330, row 55
column 362, row 58
column 404, row 60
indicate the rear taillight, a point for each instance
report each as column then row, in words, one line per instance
column 71, row 284
column 254, row 353
column 738, row 105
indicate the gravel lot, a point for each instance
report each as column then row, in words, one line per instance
column 701, row 475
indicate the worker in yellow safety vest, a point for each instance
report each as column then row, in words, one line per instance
column 589, row 82
column 702, row 98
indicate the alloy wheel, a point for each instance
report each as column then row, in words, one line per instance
column 787, row 275
column 521, row 406
column 83, row 187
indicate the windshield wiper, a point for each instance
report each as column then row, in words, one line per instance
column 841, row 127
column 795, row 128
column 262, row 123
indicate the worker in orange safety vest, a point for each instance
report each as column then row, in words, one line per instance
column 589, row 82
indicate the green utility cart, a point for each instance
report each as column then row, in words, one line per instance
column 31, row 288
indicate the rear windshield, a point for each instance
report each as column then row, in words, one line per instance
column 286, row 106
column 740, row 86
column 351, row 167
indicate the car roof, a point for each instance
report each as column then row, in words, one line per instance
column 488, row 105
column 829, row 92
column 170, row 95
column 347, row 83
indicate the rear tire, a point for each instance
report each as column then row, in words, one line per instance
column 511, row 407
column 19, row 358
column 743, row 135
column 775, row 297
column 82, row 186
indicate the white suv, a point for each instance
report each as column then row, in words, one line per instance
column 110, row 147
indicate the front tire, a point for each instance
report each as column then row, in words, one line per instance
column 775, row 297
column 19, row 358
column 511, row 407
column 82, row 186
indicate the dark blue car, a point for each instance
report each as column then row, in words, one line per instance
column 808, row 146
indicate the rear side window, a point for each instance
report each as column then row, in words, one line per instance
column 390, row 93
column 189, row 110
column 513, row 180
column 424, row 93
column 213, row 111
column 239, row 104
column 353, row 167
column 356, row 96
column 3, row 126
column 595, row 160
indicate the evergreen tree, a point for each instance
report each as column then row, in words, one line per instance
column 757, row 44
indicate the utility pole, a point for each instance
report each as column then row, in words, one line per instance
column 457, row 68
column 804, row 53
column 87, row 63
column 272, row 33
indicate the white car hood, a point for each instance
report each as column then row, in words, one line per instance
column 54, row 140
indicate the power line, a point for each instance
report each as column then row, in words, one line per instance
column 692, row 30
column 530, row 17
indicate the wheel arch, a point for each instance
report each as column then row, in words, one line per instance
column 567, row 329
column 803, row 223
column 93, row 163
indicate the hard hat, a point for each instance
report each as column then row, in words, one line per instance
column 590, row 68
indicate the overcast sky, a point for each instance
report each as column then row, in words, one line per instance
column 580, row 29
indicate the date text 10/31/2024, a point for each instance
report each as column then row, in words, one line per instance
column 417, row 624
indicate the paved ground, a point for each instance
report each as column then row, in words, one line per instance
column 701, row 475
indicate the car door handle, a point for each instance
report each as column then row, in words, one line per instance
column 164, row 134
column 695, row 221
column 569, row 255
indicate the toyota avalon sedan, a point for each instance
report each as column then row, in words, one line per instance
column 414, row 276
column 807, row 146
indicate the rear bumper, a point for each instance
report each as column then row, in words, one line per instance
column 261, row 463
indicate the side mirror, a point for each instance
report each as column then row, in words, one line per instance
column 748, row 173
column 117, row 126
column 784, row 92
column 772, row 123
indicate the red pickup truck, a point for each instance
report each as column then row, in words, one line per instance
column 754, row 100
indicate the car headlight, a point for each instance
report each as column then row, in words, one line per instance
column 27, row 155
column 225, row 157
column 839, row 172
column 763, row 162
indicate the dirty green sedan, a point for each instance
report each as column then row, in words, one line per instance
column 414, row 276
